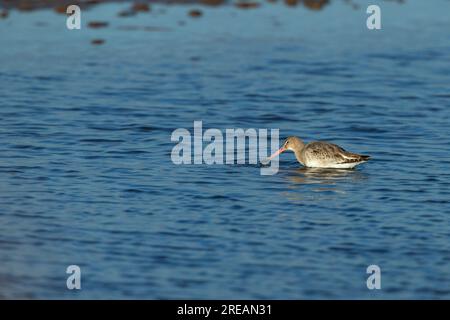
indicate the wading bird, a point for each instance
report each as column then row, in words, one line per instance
column 320, row 154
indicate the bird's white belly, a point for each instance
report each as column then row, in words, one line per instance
column 322, row 164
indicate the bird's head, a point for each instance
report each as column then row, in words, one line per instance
column 291, row 143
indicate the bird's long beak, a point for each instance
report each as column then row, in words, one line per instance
column 280, row 151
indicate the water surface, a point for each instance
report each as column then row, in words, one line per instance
column 86, row 176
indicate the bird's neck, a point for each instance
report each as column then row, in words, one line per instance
column 299, row 156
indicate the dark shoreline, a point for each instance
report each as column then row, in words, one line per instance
column 30, row 5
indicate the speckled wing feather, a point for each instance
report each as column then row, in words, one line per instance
column 326, row 153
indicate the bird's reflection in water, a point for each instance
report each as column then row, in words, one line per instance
column 320, row 183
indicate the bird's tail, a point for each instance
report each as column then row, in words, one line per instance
column 354, row 157
column 363, row 157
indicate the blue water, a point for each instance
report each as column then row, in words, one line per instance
column 86, row 176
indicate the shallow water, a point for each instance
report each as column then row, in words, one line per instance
column 86, row 176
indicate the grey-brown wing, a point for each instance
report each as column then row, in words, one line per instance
column 324, row 151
